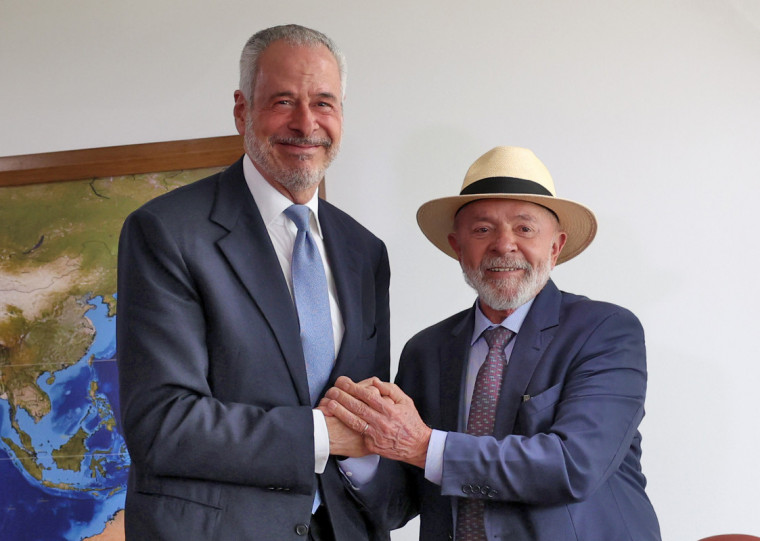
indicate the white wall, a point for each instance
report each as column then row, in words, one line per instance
column 647, row 112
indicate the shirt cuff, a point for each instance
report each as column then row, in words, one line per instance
column 321, row 442
column 359, row 471
column 434, row 460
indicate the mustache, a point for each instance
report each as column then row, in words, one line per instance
column 511, row 262
column 305, row 141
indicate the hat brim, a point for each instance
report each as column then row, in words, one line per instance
column 436, row 220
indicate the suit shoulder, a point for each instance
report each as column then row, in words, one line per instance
column 581, row 308
column 349, row 224
column 190, row 208
column 445, row 327
column 181, row 199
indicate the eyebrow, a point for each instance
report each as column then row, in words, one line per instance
column 289, row 94
column 327, row 95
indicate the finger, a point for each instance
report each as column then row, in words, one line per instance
column 342, row 381
column 384, row 387
column 391, row 390
column 368, row 382
column 369, row 395
column 351, row 420
column 353, row 404
column 347, row 385
column 322, row 406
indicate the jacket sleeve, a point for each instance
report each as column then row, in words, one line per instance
column 573, row 435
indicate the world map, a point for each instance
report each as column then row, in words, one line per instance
column 63, row 459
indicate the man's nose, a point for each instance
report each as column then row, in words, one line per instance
column 503, row 242
column 303, row 120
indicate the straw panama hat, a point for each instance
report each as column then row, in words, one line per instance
column 509, row 173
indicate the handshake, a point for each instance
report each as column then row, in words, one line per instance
column 374, row 416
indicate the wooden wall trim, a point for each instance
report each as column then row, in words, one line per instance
column 120, row 160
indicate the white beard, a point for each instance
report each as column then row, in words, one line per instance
column 507, row 293
column 296, row 179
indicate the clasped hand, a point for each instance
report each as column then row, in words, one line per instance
column 382, row 415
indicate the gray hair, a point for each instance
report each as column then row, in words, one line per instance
column 293, row 34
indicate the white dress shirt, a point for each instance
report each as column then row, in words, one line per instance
column 272, row 204
column 282, row 231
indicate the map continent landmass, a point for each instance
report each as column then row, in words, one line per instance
column 63, row 462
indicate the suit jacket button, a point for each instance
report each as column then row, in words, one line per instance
column 302, row 529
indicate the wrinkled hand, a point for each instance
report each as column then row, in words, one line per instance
column 384, row 415
column 322, row 406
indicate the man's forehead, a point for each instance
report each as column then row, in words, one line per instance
column 283, row 55
column 285, row 67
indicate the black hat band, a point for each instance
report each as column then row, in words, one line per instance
column 505, row 185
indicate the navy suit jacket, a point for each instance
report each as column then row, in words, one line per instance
column 214, row 397
column 563, row 463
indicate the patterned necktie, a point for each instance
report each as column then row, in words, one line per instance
column 312, row 303
column 485, row 396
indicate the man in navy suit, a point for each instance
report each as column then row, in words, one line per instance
column 225, row 441
column 557, row 457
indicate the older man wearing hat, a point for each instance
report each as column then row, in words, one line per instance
column 518, row 417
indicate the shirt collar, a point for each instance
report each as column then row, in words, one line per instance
column 270, row 201
column 513, row 321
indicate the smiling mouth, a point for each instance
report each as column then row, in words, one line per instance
column 302, row 142
column 504, row 269
column 305, row 147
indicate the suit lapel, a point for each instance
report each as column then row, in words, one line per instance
column 534, row 337
column 344, row 261
column 249, row 251
column 454, row 351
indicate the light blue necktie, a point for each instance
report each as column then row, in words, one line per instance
column 312, row 303
column 313, row 307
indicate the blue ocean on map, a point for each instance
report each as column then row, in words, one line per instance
column 76, row 500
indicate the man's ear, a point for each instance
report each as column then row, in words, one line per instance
column 240, row 111
column 557, row 245
column 455, row 245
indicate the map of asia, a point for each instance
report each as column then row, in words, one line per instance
column 63, row 460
